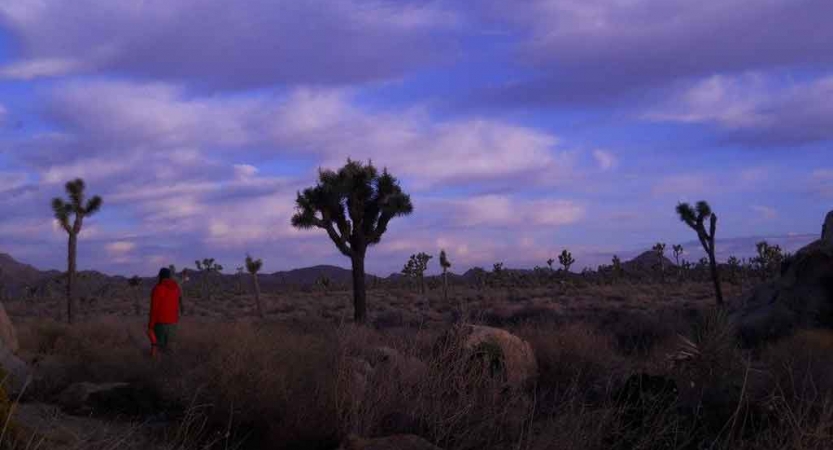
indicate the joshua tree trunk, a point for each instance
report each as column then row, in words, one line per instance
column 445, row 286
column 257, row 297
column 715, row 276
column 359, row 293
column 71, row 250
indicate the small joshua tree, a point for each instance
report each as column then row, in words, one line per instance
column 78, row 208
column 207, row 267
column 616, row 264
column 445, row 264
column 354, row 206
column 134, row 282
column 678, row 252
column 695, row 218
column 659, row 250
column 566, row 260
column 416, row 267
column 550, row 263
column 253, row 266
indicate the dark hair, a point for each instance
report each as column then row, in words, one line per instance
column 164, row 273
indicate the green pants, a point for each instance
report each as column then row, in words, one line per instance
column 165, row 334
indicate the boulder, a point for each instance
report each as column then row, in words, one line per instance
column 502, row 353
column 396, row 442
column 8, row 335
column 802, row 297
column 15, row 371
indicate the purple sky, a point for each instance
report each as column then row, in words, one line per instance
column 519, row 128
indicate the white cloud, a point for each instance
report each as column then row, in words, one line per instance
column 120, row 247
column 605, row 160
column 503, row 210
column 37, row 68
column 765, row 212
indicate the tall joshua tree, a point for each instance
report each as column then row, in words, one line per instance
column 695, row 218
column 354, row 206
column 253, row 266
column 445, row 264
column 77, row 208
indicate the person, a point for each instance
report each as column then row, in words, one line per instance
column 164, row 312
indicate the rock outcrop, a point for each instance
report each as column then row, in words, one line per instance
column 802, row 297
column 16, row 369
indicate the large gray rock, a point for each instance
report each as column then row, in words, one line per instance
column 498, row 351
column 8, row 335
column 398, row 442
column 827, row 229
column 802, row 297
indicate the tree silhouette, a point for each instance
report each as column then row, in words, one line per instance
column 445, row 264
column 76, row 208
column 207, row 267
column 354, row 206
column 253, row 266
column 566, row 260
column 135, row 282
column 695, row 218
column 659, row 250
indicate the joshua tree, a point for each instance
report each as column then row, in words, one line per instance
column 550, row 262
column 659, row 250
column 134, row 282
column 445, row 264
column 354, row 206
column 617, row 266
column 421, row 265
column 678, row 252
column 206, row 267
column 566, row 259
column 253, row 266
column 324, row 282
column 695, row 218
column 80, row 209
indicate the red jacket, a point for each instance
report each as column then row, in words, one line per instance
column 164, row 303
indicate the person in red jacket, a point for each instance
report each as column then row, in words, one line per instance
column 164, row 312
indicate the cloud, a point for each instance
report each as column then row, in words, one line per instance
column 596, row 51
column 605, row 160
column 504, row 210
column 264, row 43
column 37, row 68
column 4, row 114
column 755, row 109
column 135, row 121
column 765, row 212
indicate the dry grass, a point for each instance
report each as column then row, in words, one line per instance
column 305, row 378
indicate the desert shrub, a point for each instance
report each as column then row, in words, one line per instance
column 574, row 358
column 638, row 333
